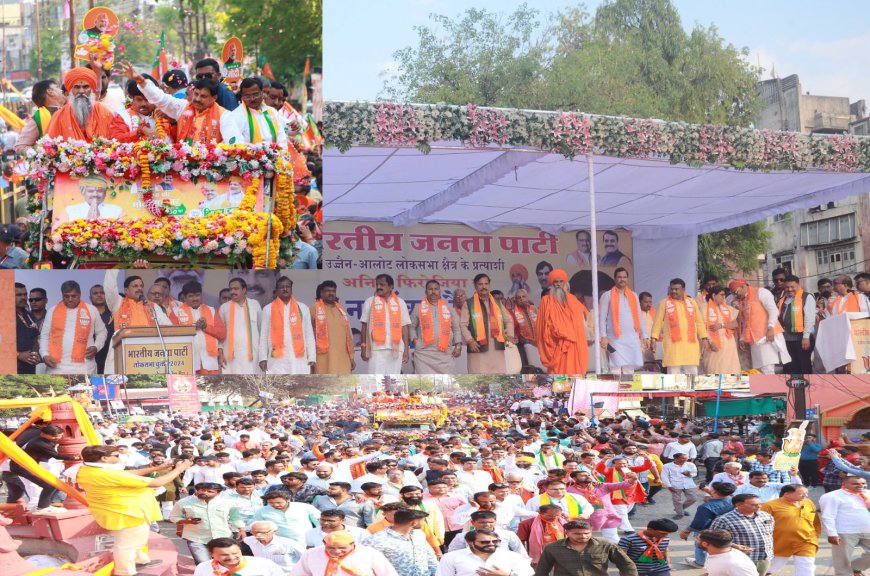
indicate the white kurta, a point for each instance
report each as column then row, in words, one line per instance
column 363, row 559
column 239, row 117
column 628, row 352
column 201, row 359
column 384, row 358
column 766, row 353
column 240, row 364
column 288, row 363
column 96, row 338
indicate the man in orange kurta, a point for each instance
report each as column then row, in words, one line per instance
column 561, row 328
column 82, row 117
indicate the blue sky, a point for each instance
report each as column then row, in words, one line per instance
column 826, row 43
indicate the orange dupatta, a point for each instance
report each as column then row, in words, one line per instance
column 526, row 329
column 674, row 321
column 80, row 337
column 63, row 124
column 797, row 310
column 276, row 328
column 427, row 324
column 232, row 331
column 495, row 323
column 713, row 318
column 321, row 328
column 132, row 313
column 614, row 309
column 209, row 130
column 334, row 564
column 850, row 304
column 184, row 315
column 379, row 320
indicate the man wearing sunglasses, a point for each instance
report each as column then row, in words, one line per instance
column 483, row 557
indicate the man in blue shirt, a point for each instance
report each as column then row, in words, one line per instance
column 11, row 256
column 719, row 504
column 209, row 68
column 841, row 464
column 809, row 462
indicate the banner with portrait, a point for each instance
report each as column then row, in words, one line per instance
column 98, row 197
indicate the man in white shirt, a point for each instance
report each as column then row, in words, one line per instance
column 386, row 329
column 287, row 341
column 341, row 545
column 846, row 518
column 241, row 316
column 677, row 477
column 579, row 509
column 475, row 480
column 483, row 556
column 265, row 543
column 759, row 326
column 72, row 334
column 722, row 559
column 732, row 475
column 228, row 555
column 683, row 445
column 268, row 125
column 94, row 206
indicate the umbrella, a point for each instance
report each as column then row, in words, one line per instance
column 138, row 418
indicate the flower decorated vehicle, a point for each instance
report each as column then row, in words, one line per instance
column 197, row 203
column 402, row 411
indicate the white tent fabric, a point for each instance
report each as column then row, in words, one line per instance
column 491, row 188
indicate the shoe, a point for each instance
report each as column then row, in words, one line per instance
column 686, row 514
column 150, row 564
column 678, row 517
column 650, row 501
column 691, row 562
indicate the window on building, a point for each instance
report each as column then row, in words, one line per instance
column 828, row 230
column 784, row 262
column 840, row 260
column 781, row 217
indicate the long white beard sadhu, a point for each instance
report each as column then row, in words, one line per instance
column 82, row 106
column 559, row 294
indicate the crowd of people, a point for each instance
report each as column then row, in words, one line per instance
column 504, row 486
column 173, row 108
column 721, row 331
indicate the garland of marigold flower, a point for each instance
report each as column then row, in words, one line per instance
column 249, row 201
column 147, row 193
column 159, row 125
column 285, row 208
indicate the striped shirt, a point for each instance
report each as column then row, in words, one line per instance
column 753, row 531
column 772, row 475
column 635, row 546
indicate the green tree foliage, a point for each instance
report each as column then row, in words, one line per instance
column 284, row 31
column 736, row 250
column 53, row 43
column 632, row 58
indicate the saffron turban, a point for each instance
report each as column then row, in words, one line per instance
column 75, row 75
column 557, row 274
column 525, row 459
column 338, row 538
column 737, row 283
column 521, row 270
column 95, row 181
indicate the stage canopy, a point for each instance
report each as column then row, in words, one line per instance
column 411, row 164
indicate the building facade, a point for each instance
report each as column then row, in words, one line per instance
column 831, row 238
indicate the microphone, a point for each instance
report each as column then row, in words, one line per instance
column 166, row 367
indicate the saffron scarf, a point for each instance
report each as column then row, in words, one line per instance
column 333, row 565
column 80, row 336
column 496, row 473
column 573, row 506
column 321, row 328
column 496, row 326
column 797, row 310
column 674, row 320
column 216, row 568
column 232, row 331
column 653, row 554
column 544, row 533
column 713, row 312
column 184, row 316
column 276, row 328
column 864, row 498
column 849, row 304
column 526, row 320
column 132, row 313
column 427, row 324
column 254, row 126
column 379, row 320
column 614, row 309
column 209, row 130
column 591, row 495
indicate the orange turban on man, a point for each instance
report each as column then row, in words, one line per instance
column 521, row 270
column 737, row 283
column 77, row 75
column 338, row 538
column 557, row 274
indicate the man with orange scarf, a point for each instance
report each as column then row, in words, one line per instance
column 844, row 299
column 797, row 315
column 210, row 329
column 341, row 556
column 286, row 335
column 561, row 332
column 759, row 326
column 241, row 315
column 615, row 470
column 525, row 318
column 680, row 327
column 139, row 120
column 540, row 530
column 437, row 336
column 386, row 328
column 332, row 335
column 486, row 329
column 624, row 332
column 72, row 335
column 82, row 117
column 200, row 120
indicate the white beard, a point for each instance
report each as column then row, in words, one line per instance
column 559, row 294
column 82, row 106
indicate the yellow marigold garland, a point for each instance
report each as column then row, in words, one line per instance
column 249, row 201
column 285, row 207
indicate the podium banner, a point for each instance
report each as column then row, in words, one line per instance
column 148, row 357
column 861, row 344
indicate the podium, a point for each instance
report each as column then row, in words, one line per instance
column 138, row 350
column 844, row 340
